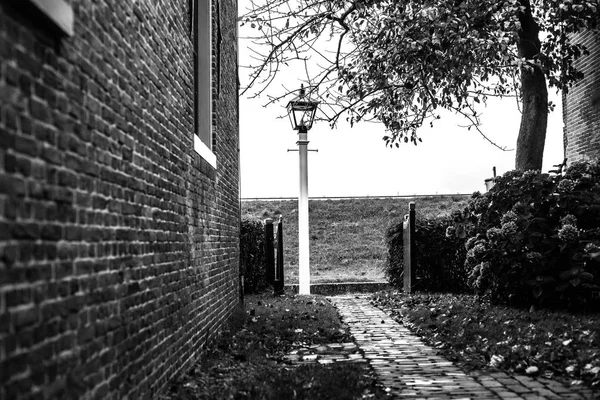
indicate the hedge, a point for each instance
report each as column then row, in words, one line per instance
column 252, row 255
column 439, row 260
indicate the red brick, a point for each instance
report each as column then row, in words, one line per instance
column 24, row 317
column 580, row 113
column 101, row 189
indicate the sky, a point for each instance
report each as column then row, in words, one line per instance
column 354, row 161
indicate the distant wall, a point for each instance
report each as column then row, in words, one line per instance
column 119, row 244
column 581, row 106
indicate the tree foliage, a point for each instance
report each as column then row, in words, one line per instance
column 402, row 61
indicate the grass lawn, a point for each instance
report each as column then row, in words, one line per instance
column 480, row 336
column 247, row 360
column 347, row 237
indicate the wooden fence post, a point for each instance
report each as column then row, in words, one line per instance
column 269, row 252
column 278, row 285
column 408, row 232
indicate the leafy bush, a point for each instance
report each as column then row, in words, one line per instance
column 439, row 259
column 252, row 255
column 534, row 238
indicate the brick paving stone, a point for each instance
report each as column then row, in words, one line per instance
column 412, row 370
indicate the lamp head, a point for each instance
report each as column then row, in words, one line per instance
column 302, row 110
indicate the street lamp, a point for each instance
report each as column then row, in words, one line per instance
column 302, row 110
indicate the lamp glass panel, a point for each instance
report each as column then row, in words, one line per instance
column 301, row 113
column 292, row 117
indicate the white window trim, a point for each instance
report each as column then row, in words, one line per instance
column 59, row 12
column 204, row 151
column 204, row 76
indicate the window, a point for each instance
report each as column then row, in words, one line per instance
column 202, row 32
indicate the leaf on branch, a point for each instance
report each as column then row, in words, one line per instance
column 397, row 70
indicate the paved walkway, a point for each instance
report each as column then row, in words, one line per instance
column 412, row 370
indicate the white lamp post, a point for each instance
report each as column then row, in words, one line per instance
column 302, row 112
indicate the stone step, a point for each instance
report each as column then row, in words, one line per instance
column 332, row 289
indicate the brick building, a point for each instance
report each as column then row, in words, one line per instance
column 119, row 198
column 581, row 106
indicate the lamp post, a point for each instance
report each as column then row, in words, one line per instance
column 302, row 112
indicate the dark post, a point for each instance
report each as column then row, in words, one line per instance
column 408, row 233
column 269, row 251
column 279, row 281
column 242, row 290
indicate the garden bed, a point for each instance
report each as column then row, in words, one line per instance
column 480, row 336
column 249, row 360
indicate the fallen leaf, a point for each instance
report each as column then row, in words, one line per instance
column 548, row 374
column 532, row 370
column 496, row 360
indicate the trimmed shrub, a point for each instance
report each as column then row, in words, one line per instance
column 534, row 239
column 439, row 259
column 252, row 255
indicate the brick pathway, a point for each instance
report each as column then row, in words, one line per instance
column 412, row 370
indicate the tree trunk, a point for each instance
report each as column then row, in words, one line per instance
column 534, row 92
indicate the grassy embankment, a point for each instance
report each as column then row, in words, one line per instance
column 347, row 237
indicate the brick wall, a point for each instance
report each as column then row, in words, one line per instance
column 581, row 106
column 118, row 243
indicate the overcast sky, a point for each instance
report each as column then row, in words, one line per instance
column 355, row 161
